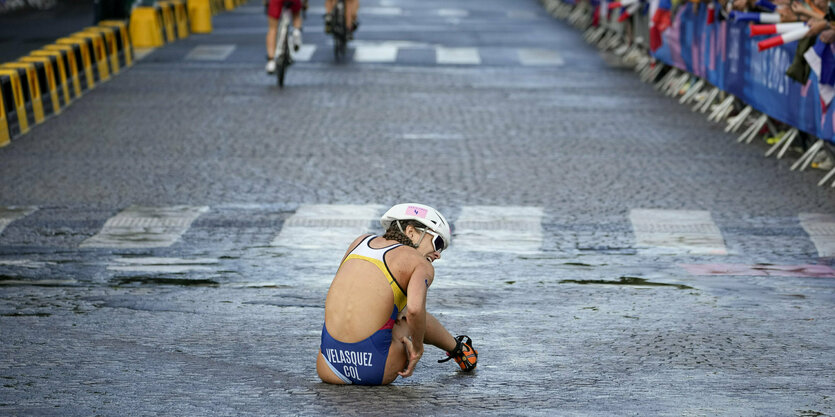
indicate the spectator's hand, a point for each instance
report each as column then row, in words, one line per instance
column 786, row 14
column 740, row 5
column 805, row 13
column 827, row 36
column 816, row 26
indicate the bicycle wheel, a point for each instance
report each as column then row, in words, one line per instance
column 340, row 32
column 283, row 59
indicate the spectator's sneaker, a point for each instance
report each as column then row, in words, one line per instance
column 270, row 66
column 328, row 24
column 297, row 39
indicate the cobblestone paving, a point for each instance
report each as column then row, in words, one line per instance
column 570, row 329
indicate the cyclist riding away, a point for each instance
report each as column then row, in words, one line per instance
column 273, row 9
column 351, row 9
column 375, row 312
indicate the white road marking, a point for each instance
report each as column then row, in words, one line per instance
column 375, row 53
column 377, row 11
column 163, row 265
column 508, row 229
column 672, row 232
column 537, row 57
column 329, row 228
column 821, row 229
column 145, row 227
column 25, row 263
column 433, row 136
column 304, row 53
column 521, row 14
column 210, row 52
column 453, row 13
column 12, row 213
column 457, row 56
column 382, row 11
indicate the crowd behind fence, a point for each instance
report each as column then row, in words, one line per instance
column 765, row 69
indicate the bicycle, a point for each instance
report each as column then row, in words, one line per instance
column 340, row 31
column 283, row 59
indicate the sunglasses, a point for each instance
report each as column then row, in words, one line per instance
column 437, row 241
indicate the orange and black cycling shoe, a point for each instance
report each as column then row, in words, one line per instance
column 465, row 356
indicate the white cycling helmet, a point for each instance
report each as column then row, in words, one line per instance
column 425, row 215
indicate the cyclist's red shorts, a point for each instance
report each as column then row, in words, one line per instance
column 275, row 6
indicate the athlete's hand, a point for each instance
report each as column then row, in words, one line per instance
column 414, row 356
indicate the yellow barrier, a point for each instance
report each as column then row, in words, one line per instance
column 82, row 60
column 48, row 83
column 125, row 47
column 200, row 15
column 181, row 17
column 31, row 89
column 229, row 4
column 145, row 28
column 5, row 134
column 54, row 63
column 67, row 67
column 112, row 49
column 166, row 12
column 97, row 45
column 13, row 95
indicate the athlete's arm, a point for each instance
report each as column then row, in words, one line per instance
column 419, row 282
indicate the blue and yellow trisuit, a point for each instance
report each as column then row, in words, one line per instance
column 364, row 362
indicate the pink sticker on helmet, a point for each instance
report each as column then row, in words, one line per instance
column 416, row 211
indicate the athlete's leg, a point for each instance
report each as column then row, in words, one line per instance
column 324, row 371
column 398, row 357
column 351, row 8
column 272, row 31
column 437, row 335
column 329, row 5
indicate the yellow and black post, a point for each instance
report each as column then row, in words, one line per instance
column 48, row 80
column 95, row 41
column 67, row 67
column 5, row 134
column 110, row 44
column 84, row 64
column 15, row 105
column 124, row 44
column 31, row 91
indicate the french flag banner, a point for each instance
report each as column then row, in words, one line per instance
column 660, row 20
column 755, row 17
column 822, row 62
column 774, row 28
column 783, row 39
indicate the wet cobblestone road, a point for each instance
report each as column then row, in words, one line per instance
column 579, row 300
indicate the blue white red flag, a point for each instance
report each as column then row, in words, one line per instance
column 660, row 20
column 821, row 59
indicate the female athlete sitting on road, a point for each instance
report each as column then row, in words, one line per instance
column 365, row 339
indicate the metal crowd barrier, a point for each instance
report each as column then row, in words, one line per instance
column 629, row 40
